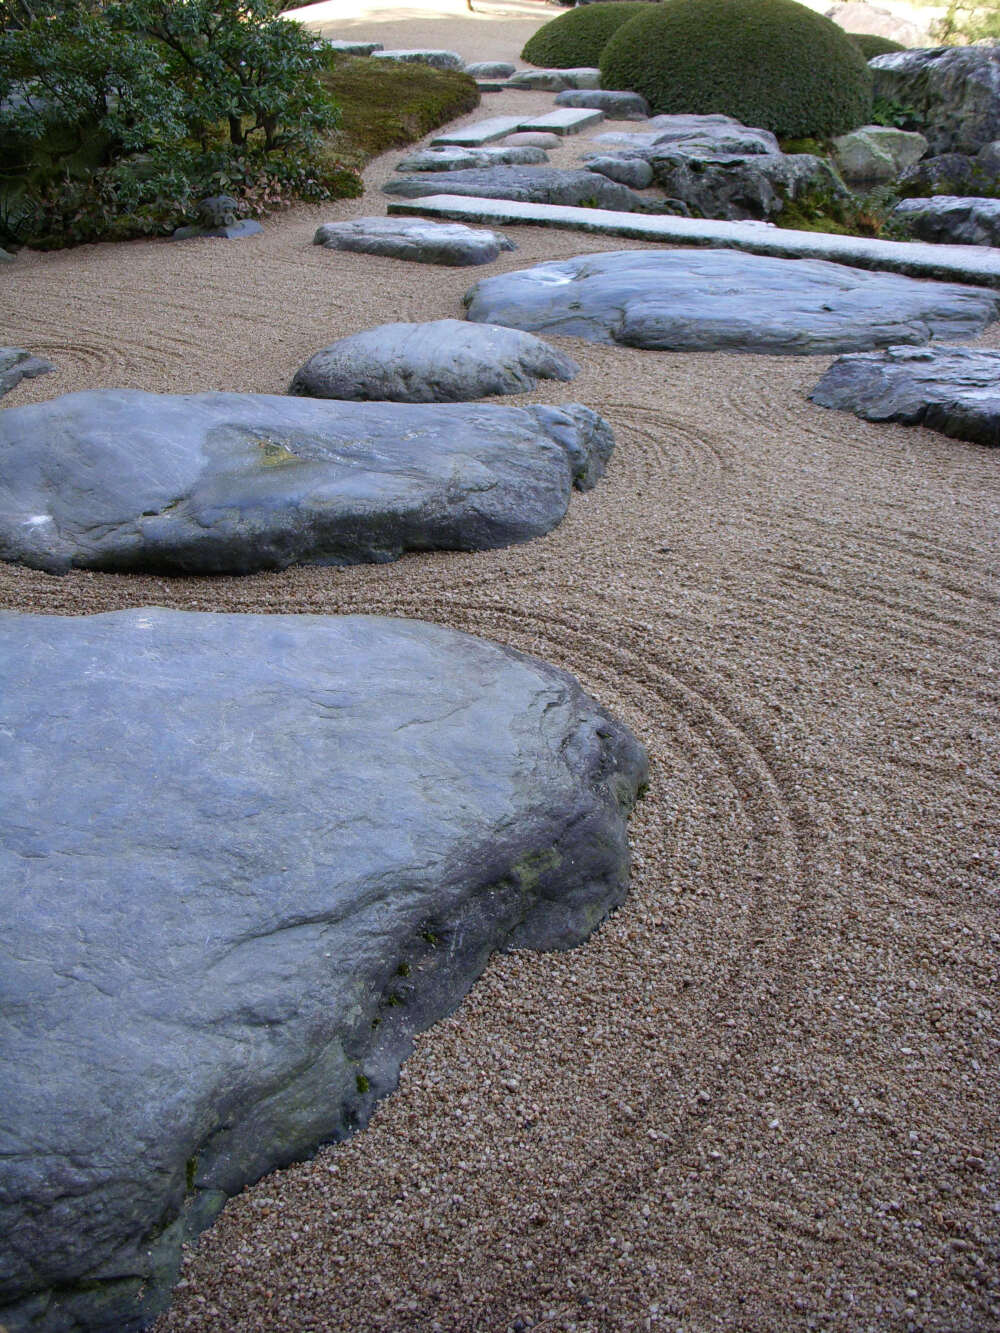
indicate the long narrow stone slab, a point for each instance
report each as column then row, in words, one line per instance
column 977, row 265
column 565, row 120
column 484, row 131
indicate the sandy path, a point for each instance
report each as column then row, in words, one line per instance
column 764, row 1095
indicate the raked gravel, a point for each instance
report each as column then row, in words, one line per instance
column 764, row 1096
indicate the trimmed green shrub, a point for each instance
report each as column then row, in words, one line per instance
column 870, row 45
column 769, row 63
column 579, row 37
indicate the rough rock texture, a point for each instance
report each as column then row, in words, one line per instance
column 988, row 159
column 556, row 80
column 533, row 185
column 490, row 69
column 740, row 186
column 951, row 219
column 946, row 173
column 17, row 365
column 246, row 858
column 877, row 153
column 118, row 479
column 445, row 361
column 437, row 59
column 615, row 105
column 708, row 134
column 421, row 242
column 855, row 16
column 349, row 48
column 533, row 139
column 462, row 159
column 955, row 390
column 954, row 89
column 635, row 172
column 700, row 300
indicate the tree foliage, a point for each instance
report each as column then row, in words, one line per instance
column 966, row 22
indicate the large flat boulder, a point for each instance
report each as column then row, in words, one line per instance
column 701, row 300
column 464, row 159
column 444, row 361
column 951, row 219
column 955, row 390
column 17, row 365
column 219, row 483
column 412, row 239
column 615, row 105
column 531, row 185
column 955, row 91
column 737, row 187
column 245, row 858
column 701, row 134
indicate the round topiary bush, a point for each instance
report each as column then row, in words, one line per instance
column 769, row 63
column 579, row 37
column 871, row 45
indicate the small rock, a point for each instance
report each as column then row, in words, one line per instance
column 877, row 153
column 490, row 69
column 635, row 172
column 420, row 242
column 533, row 139
column 17, row 365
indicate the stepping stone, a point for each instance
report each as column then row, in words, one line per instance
column 955, row 390
column 615, row 105
column 951, row 219
column 567, row 120
column 17, row 365
column 490, row 69
column 708, row 300
column 635, row 172
column 483, row 132
column 956, row 263
column 533, row 140
column 445, row 361
column 229, row 483
column 436, row 59
column 348, row 48
column 419, row 242
column 555, row 80
column 245, row 858
column 534, row 184
column 463, row 159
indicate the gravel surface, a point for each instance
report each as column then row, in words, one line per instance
column 764, row 1096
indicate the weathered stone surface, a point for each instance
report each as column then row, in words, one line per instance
column 564, row 120
column 988, row 160
column 951, row 219
column 437, row 59
column 17, row 365
column 463, row 159
column 555, row 80
column 615, row 105
column 482, row 132
column 856, row 16
column 349, row 48
column 245, row 859
column 955, row 390
column 947, row 173
column 533, row 139
column 419, row 242
column 737, row 187
column 490, row 69
column 540, row 185
column 231, row 483
column 694, row 300
column 699, row 134
column 445, row 361
column 877, row 153
column 635, row 172
column 954, row 89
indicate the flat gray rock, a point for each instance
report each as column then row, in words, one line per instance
column 229, row 231
column 349, row 48
column 245, row 859
column 635, row 172
column 17, row 365
column 955, row 91
column 533, row 139
column 615, row 105
column 465, row 159
column 436, row 59
column 555, row 80
column 738, row 187
column 705, row 134
column 490, row 69
column 444, row 361
column 479, row 133
column 702, row 300
column 420, row 242
column 951, row 219
column 535, row 185
column 955, row 390
column 221, row 483
column 564, row 120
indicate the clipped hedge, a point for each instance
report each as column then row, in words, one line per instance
column 769, row 63
column 871, row 45
column 579, row 37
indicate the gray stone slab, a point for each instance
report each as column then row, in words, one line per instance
column 533, row 184
column 555, row 80
column 950, row 263
column 245, row 858
column 490, row 69
column 465, row 159
column 436, row 59
column 17, row 365
column 704, row 300
column 566, row 120
column 118, row 479
column 955, row 390
column 738, row 187
column 951, row 219
column 444, row 361
column 418, row 242
column 482, row 132
column 705, row 134
column 615, row 105
column 349, row 48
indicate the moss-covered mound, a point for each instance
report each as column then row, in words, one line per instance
column 579, row 37
column 870, row 45
column 769, row 63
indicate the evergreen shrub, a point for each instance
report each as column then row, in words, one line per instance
column 578, row 37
